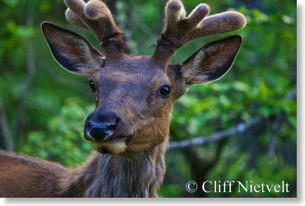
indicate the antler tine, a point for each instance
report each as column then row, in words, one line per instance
column 73, row 18
column 220, row 23
column 96, row 17
column 180, row 29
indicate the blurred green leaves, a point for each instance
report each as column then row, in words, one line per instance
column 63, row 140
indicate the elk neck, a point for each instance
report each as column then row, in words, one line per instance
column 122, row 175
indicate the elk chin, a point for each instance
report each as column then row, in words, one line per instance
column 116, row 146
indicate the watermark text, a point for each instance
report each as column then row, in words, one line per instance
column 230, row 186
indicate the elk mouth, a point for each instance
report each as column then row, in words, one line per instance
column 112, row 145
column 116, row 139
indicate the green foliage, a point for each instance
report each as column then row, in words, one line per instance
column 47, row 122
column 66, row 143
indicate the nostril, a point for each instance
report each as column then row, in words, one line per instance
column 111, row 127
column 99, row 131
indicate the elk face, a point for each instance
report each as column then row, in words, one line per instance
column 133, row 104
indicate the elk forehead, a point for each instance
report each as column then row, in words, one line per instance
column 134, row 74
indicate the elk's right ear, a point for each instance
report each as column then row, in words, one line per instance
column 71, row 51
column 212, row 61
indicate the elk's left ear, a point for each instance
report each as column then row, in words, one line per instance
column 71, row 51
column 212, row 61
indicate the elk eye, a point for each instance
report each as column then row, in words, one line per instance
column 164, row 91
column 92, row 86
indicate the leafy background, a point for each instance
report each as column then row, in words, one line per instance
column 42, row 107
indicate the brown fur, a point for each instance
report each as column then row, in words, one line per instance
column 103, row 175
column 134, row 97
column 28, row 177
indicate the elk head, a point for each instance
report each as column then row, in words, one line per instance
column 134, row 95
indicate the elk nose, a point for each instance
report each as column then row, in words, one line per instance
column 99, row 131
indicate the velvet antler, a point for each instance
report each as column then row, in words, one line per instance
column 180, row 29
column 96, row 17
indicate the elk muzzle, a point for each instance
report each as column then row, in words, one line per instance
column 105, row 132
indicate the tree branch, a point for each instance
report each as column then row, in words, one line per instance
column 236, row 130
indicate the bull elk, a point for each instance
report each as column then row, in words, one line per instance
column 134, row 97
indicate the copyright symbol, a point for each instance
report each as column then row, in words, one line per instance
column 191, row 186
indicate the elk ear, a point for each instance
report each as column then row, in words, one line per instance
column 71, row 51
column 212, row 61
